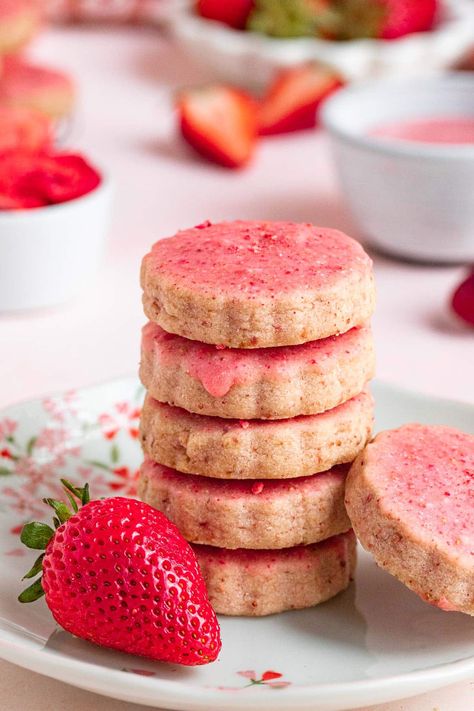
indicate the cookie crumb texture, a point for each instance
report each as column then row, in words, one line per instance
column 410, row 497
column 258, row 583
column 248, row 514
column 256, row 449
column 260, row 383
column 257, row 284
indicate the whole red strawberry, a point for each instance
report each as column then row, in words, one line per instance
column 118, row 573
column 462, row 300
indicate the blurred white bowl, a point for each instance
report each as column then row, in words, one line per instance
column 414, row 200
column 251, row 59
column 47, row 254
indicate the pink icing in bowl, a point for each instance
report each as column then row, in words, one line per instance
column 449, row 130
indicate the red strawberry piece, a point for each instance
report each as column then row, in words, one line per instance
column 24, row 129
column 294, row 98
column 462, row 300
column 32, row 180
column 403, row 17
column 12, row 202
column 63, row 177
column 231, row 12
column 219, row 123
column 118, row 573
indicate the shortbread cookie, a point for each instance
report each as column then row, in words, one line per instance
column 19, row 21
column 248, row 514
column 256, row 383
column 252, row 284
column 255, row 449
column 410, row 497
column 256, row 583
column 36, row 87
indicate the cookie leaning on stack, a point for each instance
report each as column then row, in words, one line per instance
column 256, row 360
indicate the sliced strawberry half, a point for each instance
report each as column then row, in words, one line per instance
column 294, row 98
column 220, row 123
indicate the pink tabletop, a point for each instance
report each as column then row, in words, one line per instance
column 124, row 121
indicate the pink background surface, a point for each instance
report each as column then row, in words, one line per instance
column 126, row 79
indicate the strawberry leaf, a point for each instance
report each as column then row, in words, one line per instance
column 37, row 568
column 36, row 535
column 72, row 501
column 85, row 498
column 32, row 593
column 60, row 509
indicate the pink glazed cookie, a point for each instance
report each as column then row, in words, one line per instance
column 248, row 514
column 256, row 383
column 410, row 497
column 257, row 284
column 19, row 22
column 257, row 583
column 46, row 90
column 256, row 449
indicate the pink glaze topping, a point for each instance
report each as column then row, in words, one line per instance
column 426, row 474
column 268, row 558
column 433, row 130
column 242, row 489
column 255, row 259
column 218, row 368
column 222, row 424
column 21, row 78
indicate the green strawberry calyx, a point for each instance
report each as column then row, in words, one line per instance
column 37, row 535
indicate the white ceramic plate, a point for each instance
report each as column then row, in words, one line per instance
column 376, row 642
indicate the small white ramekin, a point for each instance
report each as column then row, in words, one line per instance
column 414, row 200
column 250, row 59
column 47, row 254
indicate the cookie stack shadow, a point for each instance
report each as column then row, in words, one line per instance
column 248, row 436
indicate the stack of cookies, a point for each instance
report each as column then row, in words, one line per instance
column 256, row 360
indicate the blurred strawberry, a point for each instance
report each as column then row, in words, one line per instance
column 403, row 17
column 294, row 98
column 462, row 301
column 231, row 12
column 220, row 123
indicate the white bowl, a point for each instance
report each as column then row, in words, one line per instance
column 251, row 59
column 414, row 200
column 47, row 254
